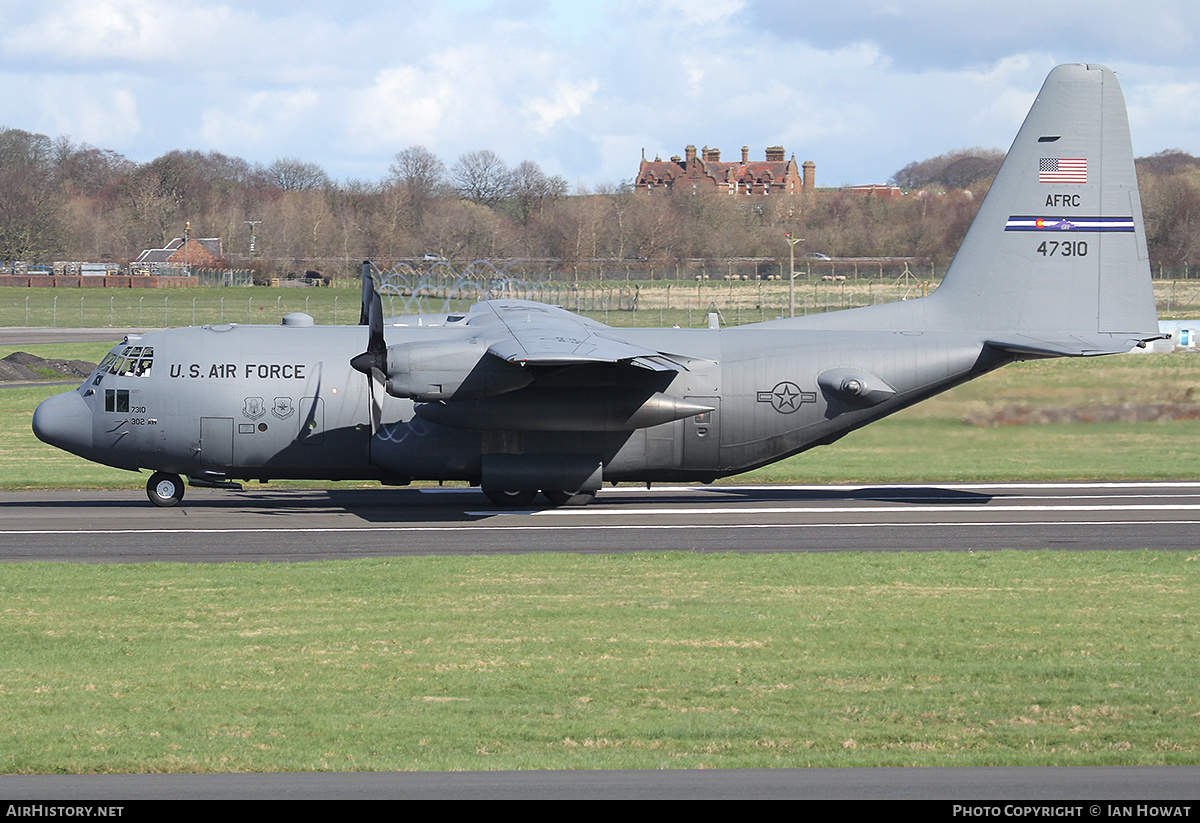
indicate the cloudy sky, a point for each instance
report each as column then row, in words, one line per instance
column 861, row 87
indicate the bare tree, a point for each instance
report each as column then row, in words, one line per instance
column 959, row 169
column 530, row 190
column 481, row 177
column 293, row 174
column 29, row 202
column 421, row 177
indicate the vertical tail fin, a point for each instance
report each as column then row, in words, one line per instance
column 1056, row 259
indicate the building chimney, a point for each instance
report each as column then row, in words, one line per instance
column 775, row 154
column 810, row 176
column 690, row 154
column 745, row 154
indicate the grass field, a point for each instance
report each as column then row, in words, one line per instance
column 623, row 661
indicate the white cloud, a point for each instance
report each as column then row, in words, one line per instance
column 861, row 87
column 100, row 110
column 259, row 119
column 110, row 118
column 565, row 104
column 404, row 106
column 127, row 30
column 688, row 12
column 1170, row 109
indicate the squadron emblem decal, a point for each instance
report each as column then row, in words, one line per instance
column 283, row 408
column 786, row 397
column 254, row 408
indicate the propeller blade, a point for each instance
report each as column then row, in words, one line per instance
column 372, row 362
column 374, row 377
column 368, row 288
column 375, row 357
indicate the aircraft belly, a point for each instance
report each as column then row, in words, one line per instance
column 784, row 405
column 420, row 449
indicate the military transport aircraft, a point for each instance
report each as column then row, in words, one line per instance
column 521, row 397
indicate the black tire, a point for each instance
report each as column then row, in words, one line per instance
column 562, row 498
column 507, row 498
column 164, row 489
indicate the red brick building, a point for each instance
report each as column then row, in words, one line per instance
column 202, row 253
column 774, row 176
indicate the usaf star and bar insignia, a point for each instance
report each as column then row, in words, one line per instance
column 786, row 397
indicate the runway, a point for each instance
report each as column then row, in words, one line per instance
column 268, row 524
column 38, row 335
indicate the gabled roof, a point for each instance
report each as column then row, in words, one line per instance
column 757, row 173
column 210, row 246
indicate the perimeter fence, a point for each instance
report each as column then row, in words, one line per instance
column 407, row 290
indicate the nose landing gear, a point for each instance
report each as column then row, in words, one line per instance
column 164, row 489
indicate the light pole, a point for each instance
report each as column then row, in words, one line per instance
column 792, row 241
column 251, row 224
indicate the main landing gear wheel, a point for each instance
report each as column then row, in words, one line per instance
column 164, row 489
column 506, row 498
column 563, row 498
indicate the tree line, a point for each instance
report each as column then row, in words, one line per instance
column 60, row 200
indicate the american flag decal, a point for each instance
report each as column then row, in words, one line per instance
column 1062, row 170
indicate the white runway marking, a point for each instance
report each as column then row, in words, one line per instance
column 991, row 524
column 864, row 509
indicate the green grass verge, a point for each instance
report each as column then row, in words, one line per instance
column 631, row 661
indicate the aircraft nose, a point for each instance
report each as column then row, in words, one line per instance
column 65, row 421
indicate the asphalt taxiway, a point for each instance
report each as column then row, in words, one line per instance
column 264, row 523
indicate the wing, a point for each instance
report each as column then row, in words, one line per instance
column 528, row 333
column 551, row 370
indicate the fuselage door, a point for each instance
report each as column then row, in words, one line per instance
column 702, row 435
column 216, row 441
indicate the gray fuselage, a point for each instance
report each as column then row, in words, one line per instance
column 263, row 402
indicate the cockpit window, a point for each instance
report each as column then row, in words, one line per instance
column 132, row 360
column 116, row 400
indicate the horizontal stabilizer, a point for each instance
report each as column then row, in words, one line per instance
column 1030, row 347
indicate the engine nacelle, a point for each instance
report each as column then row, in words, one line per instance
column 450, row 369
